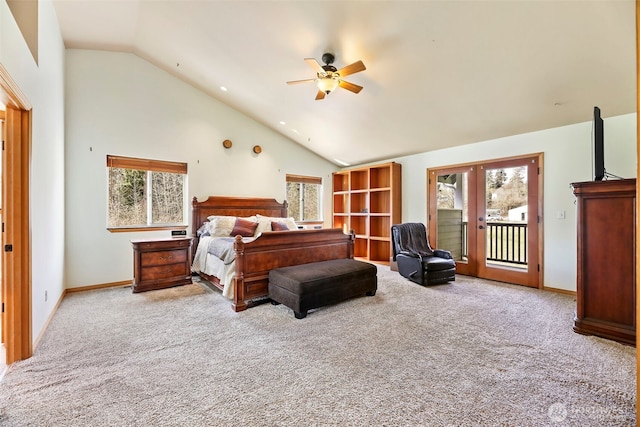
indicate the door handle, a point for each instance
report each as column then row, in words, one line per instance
column 481, row 227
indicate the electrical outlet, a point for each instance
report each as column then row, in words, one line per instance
column 561, row 215
column 45, row 296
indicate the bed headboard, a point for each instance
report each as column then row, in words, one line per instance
column 234, row 206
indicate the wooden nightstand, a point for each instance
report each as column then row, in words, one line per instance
column 161, row 263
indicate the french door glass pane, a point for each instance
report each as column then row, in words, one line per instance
column 506, row 217
column 453, row 214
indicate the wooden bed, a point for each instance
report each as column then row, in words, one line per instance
column 271, row 249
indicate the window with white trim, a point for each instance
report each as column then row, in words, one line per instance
column 145, row 193
column 304, row 197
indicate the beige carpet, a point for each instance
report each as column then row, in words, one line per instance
column 470, row 353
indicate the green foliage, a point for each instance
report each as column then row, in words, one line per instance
column 127, row 197
column 128, row 192
column 499, row 178
column 304, row 201
column 167, row 195
column 129, row 186
column 293, row 200
column 506, row 190
column 311, row 205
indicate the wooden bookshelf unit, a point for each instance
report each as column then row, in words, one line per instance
column 368, row 201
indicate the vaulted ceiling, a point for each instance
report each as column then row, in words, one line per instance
column 439, row 73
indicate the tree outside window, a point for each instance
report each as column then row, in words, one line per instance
column 145, row 193
column 507, row 189
column 304, row 198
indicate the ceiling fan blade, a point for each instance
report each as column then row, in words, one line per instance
column 356, row 67
column 295, row 82
column 350, row 86
column 320, row 95
column 314, row 64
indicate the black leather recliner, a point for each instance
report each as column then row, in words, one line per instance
column 416, row 260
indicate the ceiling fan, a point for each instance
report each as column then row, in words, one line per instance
column 329, row 78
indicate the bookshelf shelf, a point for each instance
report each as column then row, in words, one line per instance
column 368, row 201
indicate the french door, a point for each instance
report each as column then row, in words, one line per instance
column 489, row 216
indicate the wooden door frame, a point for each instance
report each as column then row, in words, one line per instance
column 637, row 197
column 16, row 264
column 534, row 265
column 469, row 267
column 538, row 237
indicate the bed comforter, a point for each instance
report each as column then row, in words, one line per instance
column 215, row 256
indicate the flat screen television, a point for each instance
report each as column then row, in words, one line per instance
column 598, row 146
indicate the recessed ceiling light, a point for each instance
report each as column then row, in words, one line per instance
column 222, row 88
column 295, row 131
column 340, row 162
column 282, row 122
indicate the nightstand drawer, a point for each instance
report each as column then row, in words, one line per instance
column 163, row 257
column 158, row 245
column 162, row 272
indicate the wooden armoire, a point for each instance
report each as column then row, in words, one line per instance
column 606, row 259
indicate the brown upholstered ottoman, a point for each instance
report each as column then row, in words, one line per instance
column 306, row 286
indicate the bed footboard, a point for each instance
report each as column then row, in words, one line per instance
column 277, row 249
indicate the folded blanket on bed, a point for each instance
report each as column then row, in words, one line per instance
column 222, row 248
column 215, row 256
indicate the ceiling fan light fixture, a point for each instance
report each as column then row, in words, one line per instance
column 327, row 84
column 328, row 78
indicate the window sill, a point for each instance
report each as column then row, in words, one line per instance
column 310, row 225
column 142, row 228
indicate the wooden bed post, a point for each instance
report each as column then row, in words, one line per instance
column 239, row 303
column 352, row 242
column 196, row 222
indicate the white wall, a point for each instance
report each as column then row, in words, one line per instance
column 119, row 104
column 43, row 86
column 567, row 158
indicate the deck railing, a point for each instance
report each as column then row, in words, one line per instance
column 506, row 242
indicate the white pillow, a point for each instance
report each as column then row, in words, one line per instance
column 221, row 225
column 264, row 223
